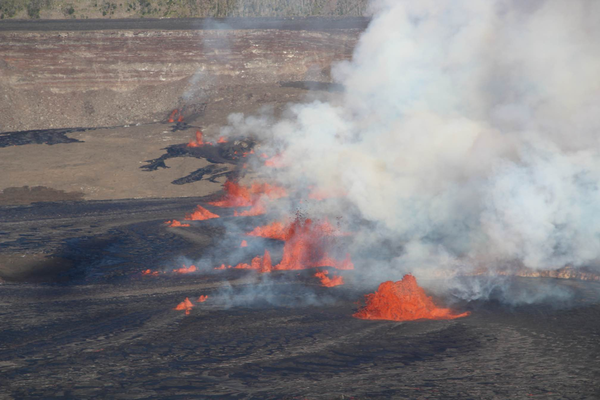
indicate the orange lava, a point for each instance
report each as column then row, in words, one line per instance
column 223, row 266
column 244, row 244
column 202, row 298
column 404, row 300
column 276, row 230
column 175, row 224
column 222, row 140
column 305, row 244
column 150, row 272
column 257, row 209
column 173, row 114
column 261, row 264
column 199, row 140
column 185, row 305
column 326, row 281
column 200, row 214
column 240, row 196
column 180, row 118
column 185, row 270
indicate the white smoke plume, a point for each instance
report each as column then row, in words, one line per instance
column 468, row 134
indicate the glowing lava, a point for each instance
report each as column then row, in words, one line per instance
column 326, row 281
column 257, row 209
column 185, row 270
column 305, row 244
column 200, row 214
column 244, row 244
column 202, row 298
column 173, row 114
column 240, row 196
column 199, row 140
column 403, row 301
column 175, row 224
column 222, row 140
column 185, row 305
column 150, row 272
column 261, row 264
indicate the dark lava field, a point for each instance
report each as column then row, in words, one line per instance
column 93, row 326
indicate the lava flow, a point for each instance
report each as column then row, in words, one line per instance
column 175, row 224
column 202, row 298
column 404, row 300
column 240, row 196
column 200, row 214
column 326, row 281
column 185, row 270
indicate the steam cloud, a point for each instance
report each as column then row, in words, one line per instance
column 468, row 133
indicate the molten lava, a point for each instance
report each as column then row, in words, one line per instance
column 202, row 298
column 240, row 196
column 175, row 224
column 185, row 270
column 185, row 305
column 200, row 214
column 305, row 244
column 260, row 264
column 326, row 281
column 222, row 140
column 276, row 230
column 403, row 301
column 199, row 140
column 244, row 244
column 257, row 209
column 150, row 272
column 173, row 114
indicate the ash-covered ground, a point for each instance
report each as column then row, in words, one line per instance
column 96, row 327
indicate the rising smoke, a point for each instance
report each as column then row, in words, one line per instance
column 468, row 133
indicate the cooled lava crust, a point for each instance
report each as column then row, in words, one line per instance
column 103, row 330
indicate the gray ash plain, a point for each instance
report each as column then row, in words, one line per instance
column 100, row 329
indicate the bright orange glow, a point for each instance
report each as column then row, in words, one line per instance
column 200, row 214
column 326, row 281
column 223, row 266
column 176, row 224
column 244, row 244
column 276, row 230
column 185, row 270
column 240, row 196
column 304, row 246
column 404, row 300
column 222, row 140
column 257, row 209
column 202, row 298
column 185, row 305
column 180, row 118
column 150, row 272
column 173, row 114
column 199, row 140
column 261, row 264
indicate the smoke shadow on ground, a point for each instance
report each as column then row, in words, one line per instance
column 313, row 85
column 41, row 136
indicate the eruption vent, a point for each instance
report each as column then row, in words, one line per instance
column 403, row 301
column 185, row 305
column 200, row 214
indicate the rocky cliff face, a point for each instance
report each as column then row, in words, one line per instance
column 116, row 77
